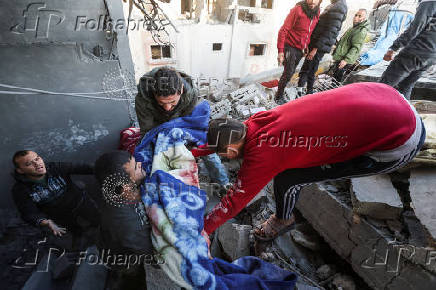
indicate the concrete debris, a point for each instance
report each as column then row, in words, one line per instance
column 395, row 226
column 417, row 233
column 302, row 286
column 423, row 195
column 235, row 240
column 343, row 282
column 325, row 271
column 372, row 252
column 296, row 254
column 220, row 109
column 304, row 240
column 157, row 279
column 375, row 196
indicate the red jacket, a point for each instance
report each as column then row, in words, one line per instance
column 296, row 30
column 322, row 128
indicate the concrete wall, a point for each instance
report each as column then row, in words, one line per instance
column 42, row 47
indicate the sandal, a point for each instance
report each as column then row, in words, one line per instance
column 269, row 230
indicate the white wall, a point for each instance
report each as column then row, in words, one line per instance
column 193, row 44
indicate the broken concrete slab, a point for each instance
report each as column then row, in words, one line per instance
column 304, row 240
column 373, row 253
column 375, row 196
column 157, row 279
column 343, row 282
column 325, row 271
column 423, row 195
column 302, row 286
column 235, row 240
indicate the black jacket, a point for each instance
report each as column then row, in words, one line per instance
column 420, row 38
column 56, row 199
column 329, row 26
column 125, row 230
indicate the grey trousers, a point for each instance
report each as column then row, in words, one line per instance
column 405, row 70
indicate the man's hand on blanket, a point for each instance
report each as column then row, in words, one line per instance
column 206, row 237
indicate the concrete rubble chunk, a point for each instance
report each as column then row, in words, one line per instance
column 302, row 286
column 235, row 240
column 157, row 279
column 375, row 196
column 304, row 240
column 423, row 195
column 371, row 252
column 220, row 109
column 343, row 282
column 325, row 271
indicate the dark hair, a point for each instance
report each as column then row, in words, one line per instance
column 111, row 163
column 223, row 132
column 18, row 154
column 165, row 82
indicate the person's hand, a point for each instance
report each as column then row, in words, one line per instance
column 342, row 64
column 281, row 58
column 311, row 54
column 56, row 230
column 389, row 55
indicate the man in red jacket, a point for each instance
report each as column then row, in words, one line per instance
column 294, row 38
column 356, row 130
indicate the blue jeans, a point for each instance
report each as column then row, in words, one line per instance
column 217, row 171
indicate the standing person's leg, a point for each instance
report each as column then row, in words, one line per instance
column 217, row 171
column 405, row 69
column 313, row 69
column 406, row 85
column 304, row 73
column 292, row 58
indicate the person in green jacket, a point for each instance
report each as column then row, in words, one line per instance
column 349, row 46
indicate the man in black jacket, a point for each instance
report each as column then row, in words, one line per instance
column 418, row 54
column 46, row 196
column 322, row 40
column 125, row 230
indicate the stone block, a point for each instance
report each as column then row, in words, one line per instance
column 423, row 195
column 235, row 240
column 375, row 196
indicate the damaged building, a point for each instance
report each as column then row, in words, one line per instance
column 69, row 75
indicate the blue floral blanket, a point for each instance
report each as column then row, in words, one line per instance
column 176, row 205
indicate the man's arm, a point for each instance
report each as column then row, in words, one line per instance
column 422, row 19
column 249, row 183
column 28, row 210
column 286, row 27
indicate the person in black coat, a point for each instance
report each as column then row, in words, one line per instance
column 418, row 50
column 322, row 40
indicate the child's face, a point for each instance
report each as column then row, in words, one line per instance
column 134, row 170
